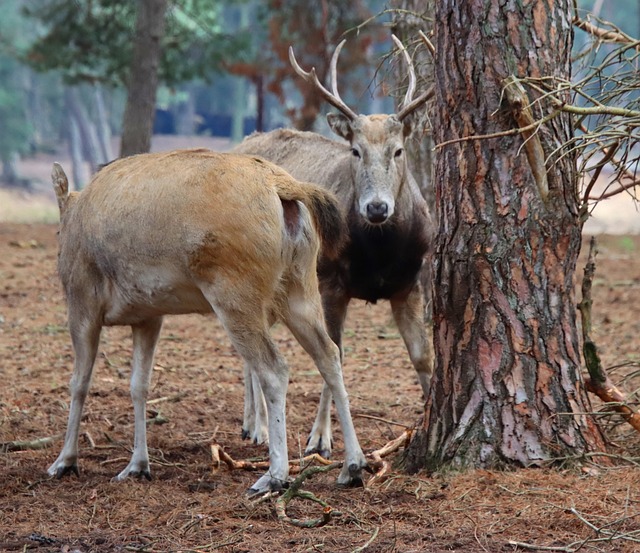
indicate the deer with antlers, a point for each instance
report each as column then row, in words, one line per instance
column 389, row 227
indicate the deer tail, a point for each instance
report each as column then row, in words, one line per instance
column 325, row 213
column 60, row 186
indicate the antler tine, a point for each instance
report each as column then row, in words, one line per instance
column 427, row 43
column 312, row 78
column 411, row 88
column 415, row 104
column 333, row 71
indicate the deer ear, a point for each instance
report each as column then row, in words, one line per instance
column 341, row 125
column 407, row 125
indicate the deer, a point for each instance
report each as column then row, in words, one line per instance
column 194, row 231
column 390, row 228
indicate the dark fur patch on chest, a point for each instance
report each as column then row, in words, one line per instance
column 379, row 262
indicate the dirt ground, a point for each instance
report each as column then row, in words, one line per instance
column 196, row 400
column 197, row 397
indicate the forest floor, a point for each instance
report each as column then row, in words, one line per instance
column 196, row 400
column 197, row 391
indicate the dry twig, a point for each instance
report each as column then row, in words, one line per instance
column 302, row 466
column 516, row 97
column 24, row 445
column 598, row 382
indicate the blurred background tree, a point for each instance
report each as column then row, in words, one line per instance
column 223, row 70
column 16, row 129
column 130, row 45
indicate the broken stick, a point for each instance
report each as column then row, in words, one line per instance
column 598, row 382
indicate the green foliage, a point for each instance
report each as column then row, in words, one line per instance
column 15, row 132
column 627, row 244
column 92, row 41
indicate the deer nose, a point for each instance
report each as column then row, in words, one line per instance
column 377, row 212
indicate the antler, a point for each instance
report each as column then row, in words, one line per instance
column 312, row 78
column 408, row 104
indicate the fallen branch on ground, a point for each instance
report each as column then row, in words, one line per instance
column 378, row 463
column 24, row 445
column 294, row 491
column 598, row 382
column 375, row 459
column 302, row 466
column 219, row 455
column 174, row 398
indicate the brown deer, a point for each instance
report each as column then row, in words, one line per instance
column 194, row 231
column 389, row 226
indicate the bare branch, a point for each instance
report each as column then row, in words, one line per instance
column 598, row 382
column 535, row 125
column 517, row 99
column 619, row 190
column 604, row 35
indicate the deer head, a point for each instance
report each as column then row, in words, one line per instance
column 378, row 160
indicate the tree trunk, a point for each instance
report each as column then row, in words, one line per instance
column 104, row 130
column 88, row 133
column 185, row 112
column 36, row 115
column 239, row 103
column 507, row 388
column 10, row 175
column 258, row 81
column 78, row 168
column 137, row 126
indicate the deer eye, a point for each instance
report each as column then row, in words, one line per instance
column 355, row 152
column 399, row 152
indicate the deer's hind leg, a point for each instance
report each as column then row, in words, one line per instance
column 304, row 316
column 335, row 311
column 145, row 338
column 243, row 311
column 85, row 327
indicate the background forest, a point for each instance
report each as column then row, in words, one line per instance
column 224, row 70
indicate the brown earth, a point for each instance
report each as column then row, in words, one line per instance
column 197, row 390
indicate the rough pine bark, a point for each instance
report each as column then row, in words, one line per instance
column 507, row 388
column 137, row 126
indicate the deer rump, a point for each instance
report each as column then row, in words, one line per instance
column 194, row 231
